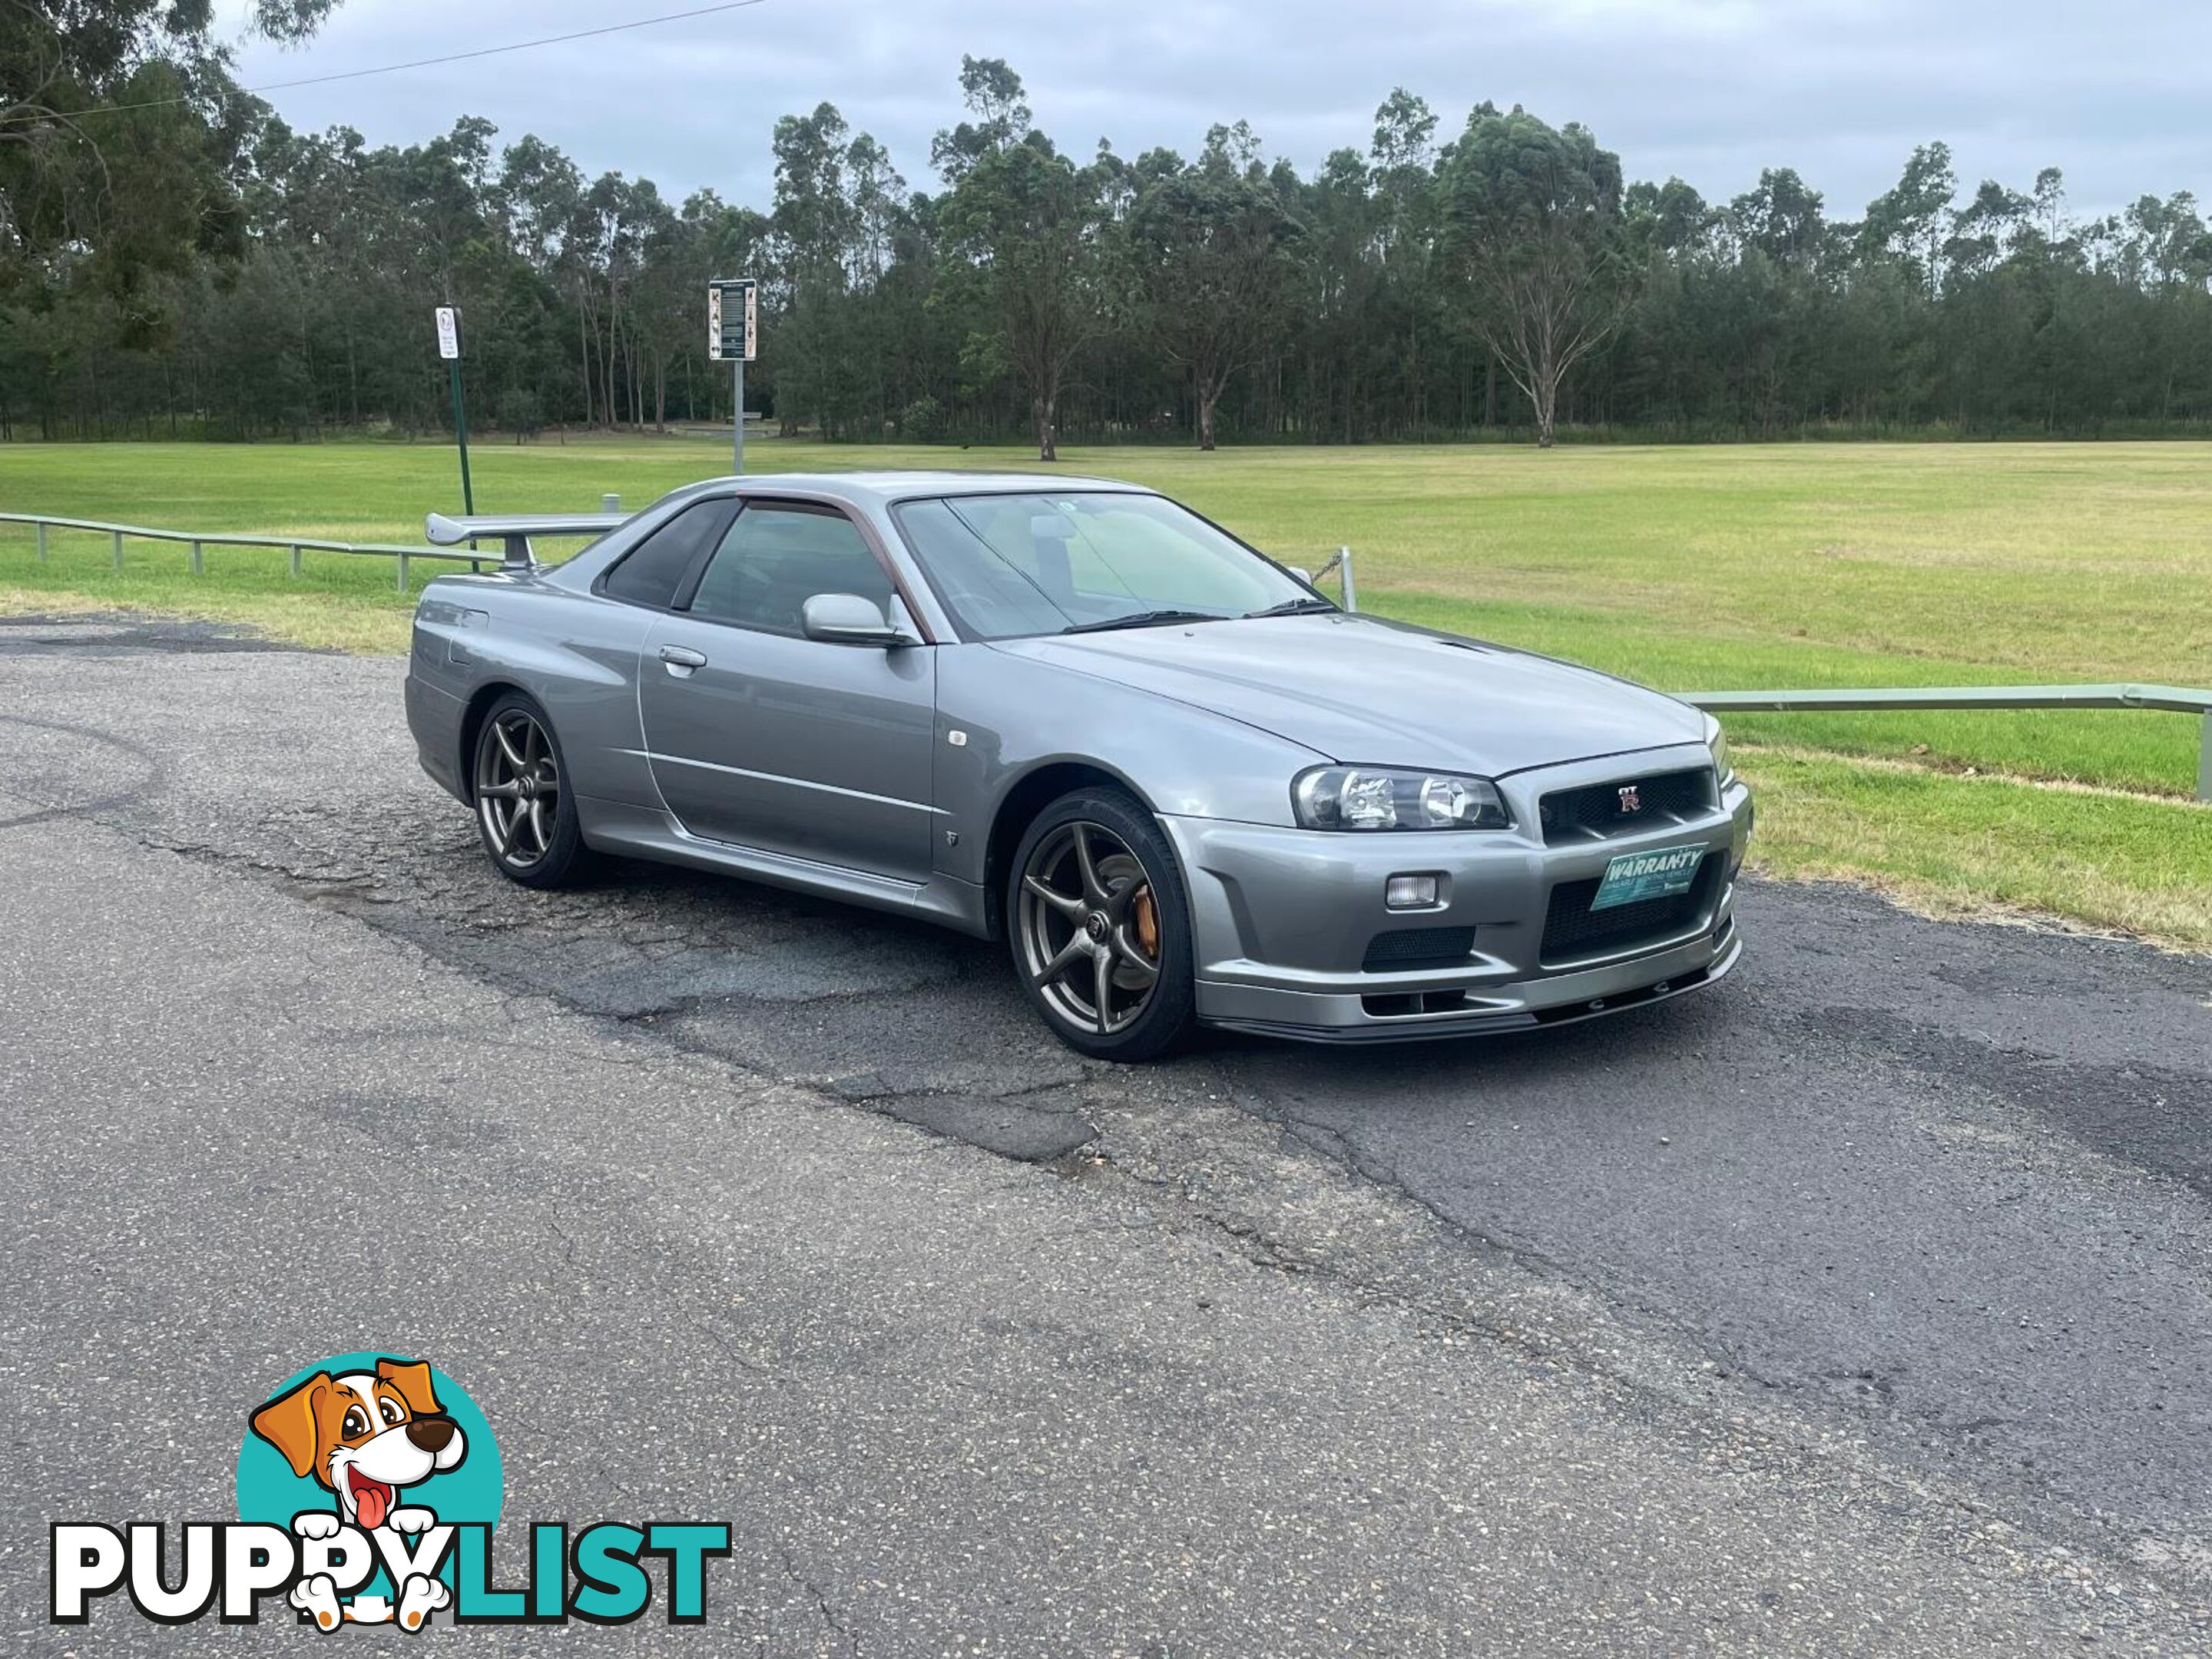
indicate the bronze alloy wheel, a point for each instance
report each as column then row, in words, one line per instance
column 1088, row 928
column 518, row 788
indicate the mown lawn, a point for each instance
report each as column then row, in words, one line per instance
column 1690, row 568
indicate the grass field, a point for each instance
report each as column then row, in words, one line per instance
column 1690, row 568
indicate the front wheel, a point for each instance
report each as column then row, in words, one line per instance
column 1100, row 927
column 525, row 812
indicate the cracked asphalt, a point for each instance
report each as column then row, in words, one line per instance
column 1859, row 1304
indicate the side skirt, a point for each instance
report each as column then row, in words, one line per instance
column 640, row 832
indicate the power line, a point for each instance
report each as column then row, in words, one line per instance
column 418, row 63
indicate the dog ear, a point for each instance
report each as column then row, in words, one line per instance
column 288, row 1423
column 412, row 1378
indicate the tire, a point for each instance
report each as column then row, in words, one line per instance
column 525, row 810
column 1109, row 883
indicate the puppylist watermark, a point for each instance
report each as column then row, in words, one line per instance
column 368, row 1488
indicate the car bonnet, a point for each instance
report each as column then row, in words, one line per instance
column 1359, row 688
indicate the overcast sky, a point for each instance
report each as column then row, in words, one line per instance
column 2112, row 91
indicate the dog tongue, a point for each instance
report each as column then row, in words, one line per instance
column 371, row 1502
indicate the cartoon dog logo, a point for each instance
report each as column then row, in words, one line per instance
column 366, row 1436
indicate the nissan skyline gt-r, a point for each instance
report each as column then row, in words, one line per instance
column 1181, row 785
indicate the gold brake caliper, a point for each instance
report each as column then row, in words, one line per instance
column 1148, row 922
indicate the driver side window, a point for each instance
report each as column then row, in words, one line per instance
column 778, row 556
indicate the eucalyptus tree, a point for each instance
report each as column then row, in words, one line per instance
column 707, row 239
column 841, row 216
column 201, row 267
column 816, row 232
column 1534, row 217
column 62, row 60
column 120, row 132
column 1783, row 218
column 1335, row 298
column 1907, row 222
column 1412, row 324
column 1028, row 221
column 624, row 216
column 542, row 191
column 993, row 96
column 1210, row 247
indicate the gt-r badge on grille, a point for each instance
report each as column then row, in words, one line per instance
column 1630, row 800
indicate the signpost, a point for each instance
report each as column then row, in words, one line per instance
column 733, row 336
column 449, row 348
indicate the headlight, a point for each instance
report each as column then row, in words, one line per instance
column 1385, row 797
column 1717, row 740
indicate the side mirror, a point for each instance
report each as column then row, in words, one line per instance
column 1301, row 573
column 848, row 619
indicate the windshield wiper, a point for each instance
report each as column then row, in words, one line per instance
column 1297, row 607
column 1143, row 619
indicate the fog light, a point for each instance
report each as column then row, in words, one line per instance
column 1410, row 892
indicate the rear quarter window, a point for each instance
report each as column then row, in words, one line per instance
column 651, row 572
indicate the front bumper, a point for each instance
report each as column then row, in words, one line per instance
column 1285, row 920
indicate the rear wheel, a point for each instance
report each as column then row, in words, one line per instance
column 1100, row 927
column 525, row 812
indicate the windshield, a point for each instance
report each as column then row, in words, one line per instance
column 1009, row 566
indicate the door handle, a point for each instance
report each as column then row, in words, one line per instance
column 683, row 657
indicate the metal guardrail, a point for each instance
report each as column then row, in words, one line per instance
column 1341, row 566
column 514, row 530
column 200, row 541
column 2173, row 699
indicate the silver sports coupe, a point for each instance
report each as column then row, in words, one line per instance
column 1179, row 783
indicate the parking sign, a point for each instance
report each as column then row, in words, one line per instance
column 449, row 332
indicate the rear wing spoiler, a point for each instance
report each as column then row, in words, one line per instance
column 513, row 530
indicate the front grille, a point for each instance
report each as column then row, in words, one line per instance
column 1594, row 812
column 1417, row 947
column 1572, row 929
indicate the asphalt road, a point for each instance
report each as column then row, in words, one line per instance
column 1859, row 1304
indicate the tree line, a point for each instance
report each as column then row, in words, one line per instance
column 176, row 260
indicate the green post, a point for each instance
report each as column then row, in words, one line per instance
column 461, row 436
column 42, row 543
column 119, row 549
